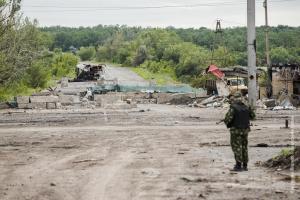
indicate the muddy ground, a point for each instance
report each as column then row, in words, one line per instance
column 152, row 152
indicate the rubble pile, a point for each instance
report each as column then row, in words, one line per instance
column 283, row 102
column 214, row 101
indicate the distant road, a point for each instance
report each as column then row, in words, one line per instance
column 124, row 75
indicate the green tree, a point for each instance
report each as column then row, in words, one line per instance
column 280, row 55
column 8, row 10
column 141, row 55
column 102, row 54
column 20, row 46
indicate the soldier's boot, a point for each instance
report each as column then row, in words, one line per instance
column 237, row 167
column 245, row 167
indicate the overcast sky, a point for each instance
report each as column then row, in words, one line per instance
column 158, row 13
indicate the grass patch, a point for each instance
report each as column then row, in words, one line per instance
column 159, row 78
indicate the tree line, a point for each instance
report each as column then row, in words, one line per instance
column 32, row 58
column 186, row 52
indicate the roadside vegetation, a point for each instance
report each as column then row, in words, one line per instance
column 26, row 63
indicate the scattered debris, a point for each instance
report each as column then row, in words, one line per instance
column 269, row 103
column 215, row 101
column 284, row 103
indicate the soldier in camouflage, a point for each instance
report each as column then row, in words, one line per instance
column 237, row 120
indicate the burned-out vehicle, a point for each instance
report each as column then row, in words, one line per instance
column 89, row 72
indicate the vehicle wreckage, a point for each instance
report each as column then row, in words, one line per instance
column 90, row 72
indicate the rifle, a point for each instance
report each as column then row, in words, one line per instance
column 222, row 120
column 219, row 122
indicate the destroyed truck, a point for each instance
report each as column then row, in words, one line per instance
column 237, row 84
column 89, row 72
column 229, row 80
column 226, row 86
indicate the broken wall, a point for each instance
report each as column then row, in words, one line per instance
column 280, row 83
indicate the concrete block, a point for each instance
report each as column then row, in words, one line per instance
column 51, row 105
column 44, row 99
column 39, row 105
column 24, row 106
column 22, row 99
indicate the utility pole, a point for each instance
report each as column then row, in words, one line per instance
column 251, row 38
column 269, row 71
column 218, row 27
column 219, row 42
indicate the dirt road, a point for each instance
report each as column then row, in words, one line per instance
column 124, row 75
column 152, row 152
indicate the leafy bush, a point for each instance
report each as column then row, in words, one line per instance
column 86, row 53
column 64, row 64
column 37, row 76
column 18, row 88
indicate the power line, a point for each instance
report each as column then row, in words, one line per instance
column 94, row 8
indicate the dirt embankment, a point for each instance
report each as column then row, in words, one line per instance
column 285, row 159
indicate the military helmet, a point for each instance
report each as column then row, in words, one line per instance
column 237, row 94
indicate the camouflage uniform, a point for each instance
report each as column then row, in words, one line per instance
column 238, row 136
